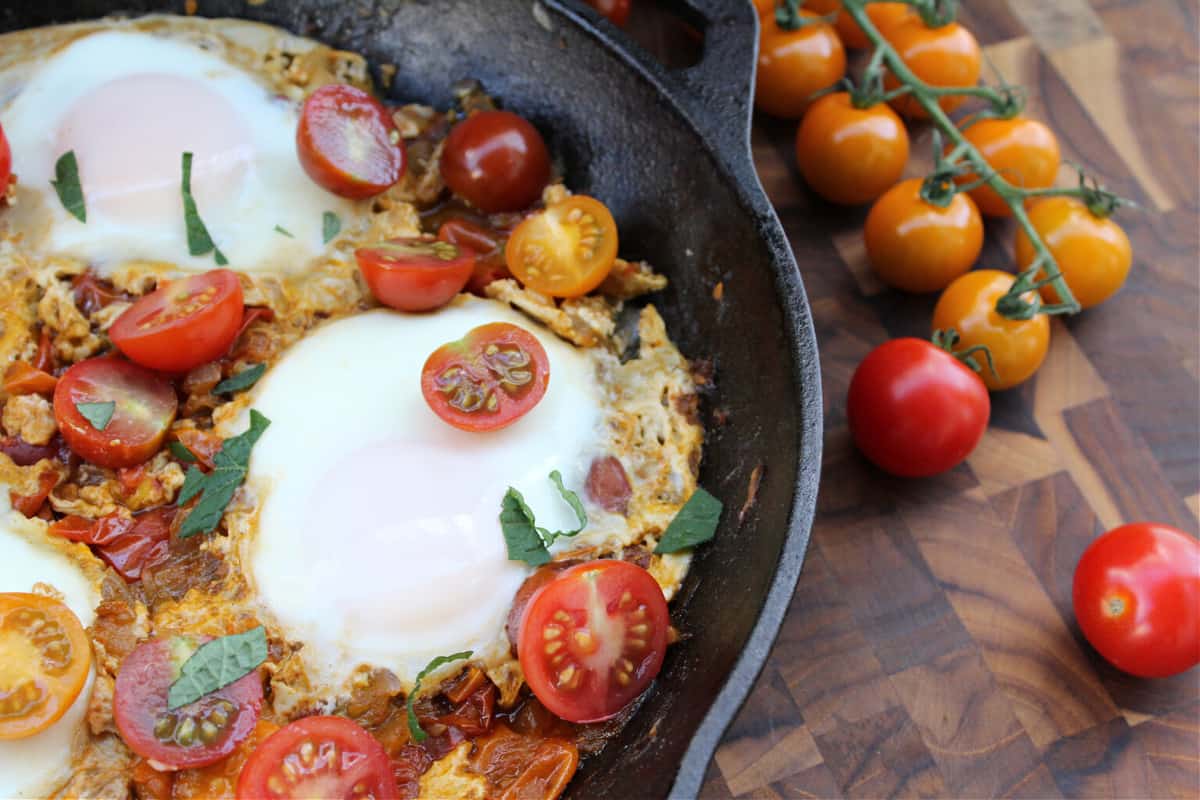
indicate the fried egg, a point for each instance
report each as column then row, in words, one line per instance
column 35, row 766
column 378, row 539
column 129, row 104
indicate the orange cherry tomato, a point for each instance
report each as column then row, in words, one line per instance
column 1093, row 253
column 850, row 155
column 918, row 247
column 1023, row 151
column 1018, row 347
column 764, row 6
column 566, row 250
column 794, row 65
column 945, row 56
column 45, row 658
column 882, row 15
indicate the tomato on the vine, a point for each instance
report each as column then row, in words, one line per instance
column 1018, row 347
column 914, row 409
column 1023, row 151
column 850, row 155
column 1136, row 594
column 920, row 247
column 945, row 56
column 497, row 161
column 882, row 15
column 1093, row 253
column 793, row 65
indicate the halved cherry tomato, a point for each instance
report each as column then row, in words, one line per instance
column 915, row 410
column 219, row 781
column 1018, row 347
column 182, row 324
column 488, row 379
column 496, row 161
column 617, row 11
column 1136, row 594
column 882, row 15
column 1093, row 253
column 945, row 56
column 850, row 155
column 1024, row 152
column 325, row 757
column 21, row 377
column 593, row 639
column 5, row 163
column 145, row 407
column 917, row 246
column 45, row 658
column 794, row 65
column 415, row 274
column 566, row 250
column 195, row 735
column 127, row 544
column 488, row 246
column 348, row 143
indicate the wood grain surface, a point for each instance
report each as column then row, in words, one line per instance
column 930, row 648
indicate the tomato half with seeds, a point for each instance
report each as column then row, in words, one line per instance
column 348, row 143
column 496, row 161
column 325, row 757
column 593, row 639
column 793, row 65
column 1024, row 152
column 566, row 250
column 144, row 408
column 196, row 735
column 945, row 56
column 415, row 274
column 182, row 324
column 487, row 380
column 850, row 155
column 45, row 663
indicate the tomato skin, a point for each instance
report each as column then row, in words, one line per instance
column 5, row 163
column 566, row 250
column 945, row 56
column 145, row 408
column 593, row 675
column 127, row 544
column 617, row 11
column 915, row 410
column 850, row 155
column 415, row 274
column 916, row 246
column 1136, row 594
column 1024, row 152
column 497, row 161
column 182, row 324
column 360, row 759
column 1093, row 253
column 882, row 15
column 1018, row 347
column 21, row 377
column 794, row 65
column 348, row 144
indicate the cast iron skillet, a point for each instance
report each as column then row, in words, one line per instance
column 669, row 152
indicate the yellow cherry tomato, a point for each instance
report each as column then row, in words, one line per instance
column 850, row 155
column 945, row 56
column 1093, row 253
column 1024, row 152
column 917, row 246
column 795, row 65
column 882, row 15
column 1018, row 347
column 566, row 250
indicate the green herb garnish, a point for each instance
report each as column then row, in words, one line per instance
column 414, row 727
column 695, row 523
column 66, row 184
column 229, row 470
column 200, row 243
column 243, row 380
column 331, row 226
column 284, row 231
column 98, row 414
column 524, row 539
column 217, row 664
column 181, row 452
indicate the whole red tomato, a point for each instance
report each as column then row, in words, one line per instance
column 916, row 410
column 1137, row 599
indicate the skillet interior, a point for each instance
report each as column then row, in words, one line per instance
column 668, row 152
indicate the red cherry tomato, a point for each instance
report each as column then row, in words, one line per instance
column 5, row 163
column 195, row 735
column 496, row 161
column 617, row 11
column 593, row 639
column 182, row 324
column 144, row 408
column 915, row 410
column 415, row 274
column 318, row 757
column 127, row 544
column 1137, row 599
column 348, row 143
column 490, row 264
column 487, row 380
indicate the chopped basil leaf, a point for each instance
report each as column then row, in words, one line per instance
column 199, row 241
column 331, row 226
column 98, row 414
column 216, row 664
column 282, row 230
column 181, row 452
column 243, row 380
column 695, row 523
column 524, row 539
column 66, row 184
column 217, row 487
column 414, row 727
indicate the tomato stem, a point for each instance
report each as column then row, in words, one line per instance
column 948, row 340
column 789, row 18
